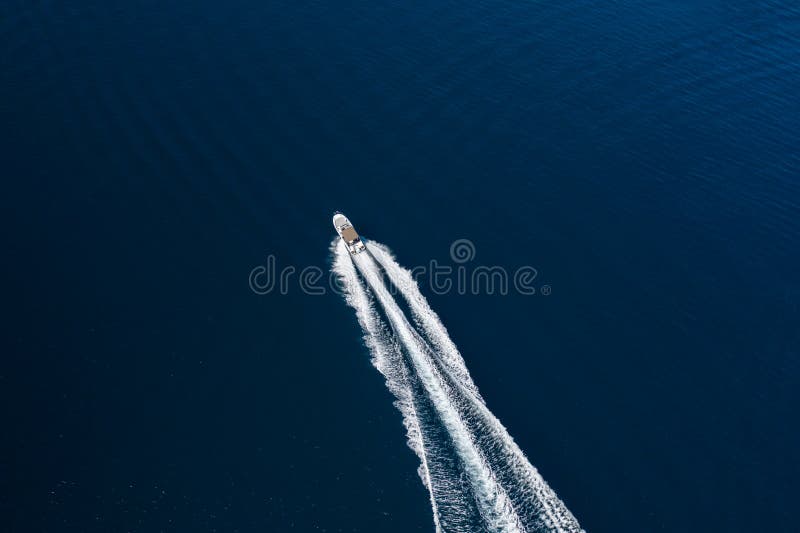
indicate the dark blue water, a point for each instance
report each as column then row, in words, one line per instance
column 642, row 156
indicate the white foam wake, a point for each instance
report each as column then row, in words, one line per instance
column 507, row 491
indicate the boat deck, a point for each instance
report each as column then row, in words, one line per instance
column 349, row 234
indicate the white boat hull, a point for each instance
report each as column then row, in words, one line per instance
column 348, row 234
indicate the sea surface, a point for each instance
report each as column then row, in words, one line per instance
column 643, row 157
